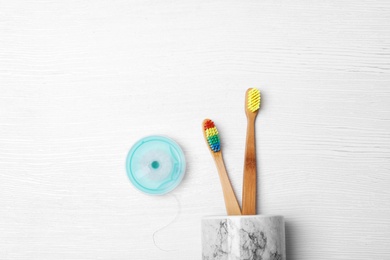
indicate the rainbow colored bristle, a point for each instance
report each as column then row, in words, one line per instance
column 212, row 135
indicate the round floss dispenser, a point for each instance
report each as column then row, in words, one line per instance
column 155, row 165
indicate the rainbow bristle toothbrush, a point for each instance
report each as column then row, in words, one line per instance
column 252, row 105
column 211, row 136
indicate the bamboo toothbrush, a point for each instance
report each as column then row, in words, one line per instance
column 211, row 136
column 252, row 105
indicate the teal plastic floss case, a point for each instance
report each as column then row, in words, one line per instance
column 155, row 165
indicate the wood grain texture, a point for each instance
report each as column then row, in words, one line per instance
column 81, row 81
column 231, row 203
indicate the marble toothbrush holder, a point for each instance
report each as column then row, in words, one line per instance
column 243, row 237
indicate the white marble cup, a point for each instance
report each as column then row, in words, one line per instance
column 254, row 237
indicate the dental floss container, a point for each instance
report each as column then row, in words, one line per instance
column 155, row 165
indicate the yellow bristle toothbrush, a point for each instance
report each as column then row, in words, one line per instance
column 211, row 136
column 252, row 105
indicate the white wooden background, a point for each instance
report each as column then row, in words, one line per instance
column 81, row 81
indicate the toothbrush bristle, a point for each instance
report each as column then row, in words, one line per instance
column 253, row 99
column 212, row 135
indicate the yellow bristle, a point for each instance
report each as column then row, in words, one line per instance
column 211, row 131
column 253, row 99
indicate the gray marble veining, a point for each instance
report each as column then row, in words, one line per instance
column 243, row 237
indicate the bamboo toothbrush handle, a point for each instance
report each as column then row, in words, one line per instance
column 249, row 185
column 231, row 203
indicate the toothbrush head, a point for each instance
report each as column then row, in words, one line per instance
column 211, row 135
column 253, row 99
